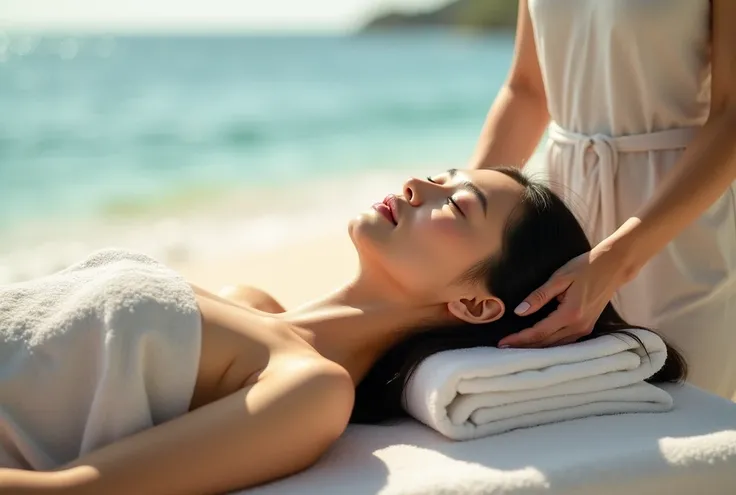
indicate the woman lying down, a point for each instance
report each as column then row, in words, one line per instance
column 117, row 376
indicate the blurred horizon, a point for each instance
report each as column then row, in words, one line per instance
column 192, row 17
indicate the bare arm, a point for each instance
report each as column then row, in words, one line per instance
column 518, row 116
column 705, row 170
column 274, row 428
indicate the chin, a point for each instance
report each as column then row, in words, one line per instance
column 363, row 235
column 354, row 227
column 357, row 232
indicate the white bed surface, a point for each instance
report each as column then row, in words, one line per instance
column 690, row 450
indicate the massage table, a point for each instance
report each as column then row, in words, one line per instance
column 688, row 450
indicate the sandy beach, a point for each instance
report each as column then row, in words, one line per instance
column 293, row 272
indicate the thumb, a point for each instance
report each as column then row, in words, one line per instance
column 537, row 299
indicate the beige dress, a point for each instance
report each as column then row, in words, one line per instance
column 628, row 86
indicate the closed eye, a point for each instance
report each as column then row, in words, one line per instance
column 453, row 203
column 450, row 201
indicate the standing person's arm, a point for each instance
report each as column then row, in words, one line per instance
column 518, row 116
column 706, row 169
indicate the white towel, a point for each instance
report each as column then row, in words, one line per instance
column 471, row 393
column 91, row 354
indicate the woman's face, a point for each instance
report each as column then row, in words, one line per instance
column 423, row 239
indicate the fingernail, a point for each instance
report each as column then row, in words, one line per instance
column 522, row 308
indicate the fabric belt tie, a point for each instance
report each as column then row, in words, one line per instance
column 600, row 179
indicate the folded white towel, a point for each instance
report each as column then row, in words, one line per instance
column 470, row 393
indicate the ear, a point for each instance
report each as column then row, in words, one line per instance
column 477, row 310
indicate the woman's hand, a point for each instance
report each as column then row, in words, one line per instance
column 584, row 286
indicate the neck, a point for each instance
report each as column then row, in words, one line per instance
column 356, row 324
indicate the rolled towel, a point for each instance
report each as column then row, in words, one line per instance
column 471, row 393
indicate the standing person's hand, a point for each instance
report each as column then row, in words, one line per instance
column 584, row 286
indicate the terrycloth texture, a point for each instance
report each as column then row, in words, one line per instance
column 93, row 353
column 689, row 450
column 469, row 393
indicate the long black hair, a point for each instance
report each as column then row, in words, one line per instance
column 541, row 235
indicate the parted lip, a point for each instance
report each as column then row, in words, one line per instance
column 388, row 208
column 392, row 202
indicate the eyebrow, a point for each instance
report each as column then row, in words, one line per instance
column 466, row 184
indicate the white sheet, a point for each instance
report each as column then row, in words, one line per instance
column 688, row 450
column 471, row 393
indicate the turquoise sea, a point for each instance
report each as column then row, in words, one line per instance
column 97, row 131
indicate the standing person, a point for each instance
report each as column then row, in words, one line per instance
column 642, row 101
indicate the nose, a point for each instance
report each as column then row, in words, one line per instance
column 416, row 190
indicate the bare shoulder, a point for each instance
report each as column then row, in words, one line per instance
column 316, row 377
column 252, row 297
column 237, row 344
column 310, row 368
column 242, row 346
column 320, row 390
